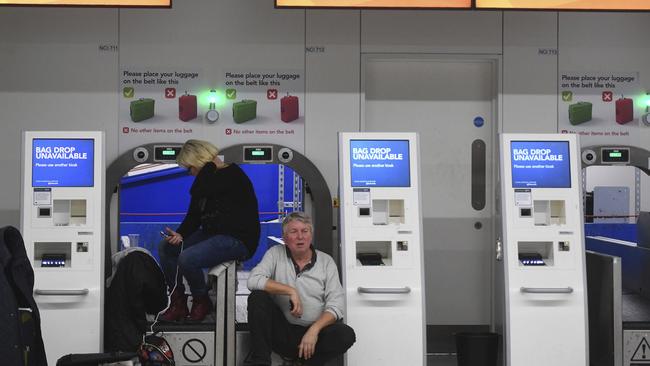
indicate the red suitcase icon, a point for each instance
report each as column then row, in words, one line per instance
column 289, row 108
column 187, row 107
column 624, row 110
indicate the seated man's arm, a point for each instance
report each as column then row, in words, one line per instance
column 307, row 345
column 334, row 293
column 262, row 278
column 334, row 302
column 263, row 271
column 277, row 288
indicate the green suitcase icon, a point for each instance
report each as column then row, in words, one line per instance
column 244, row 110
column 580, row 113
column 141, row 109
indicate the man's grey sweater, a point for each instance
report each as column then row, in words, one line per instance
column 319, row 287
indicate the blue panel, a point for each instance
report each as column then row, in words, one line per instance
column 265, row 184
column 149, row 236
column 627, row 232
column 267, row 229
column 161, row 196
column 150, row 202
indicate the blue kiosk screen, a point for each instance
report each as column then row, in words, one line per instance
column 63, row 162
column 380, row 163
column 540, row 164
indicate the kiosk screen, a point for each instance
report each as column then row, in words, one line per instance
column 63, row 162
column 380, row 163
column 540, row 164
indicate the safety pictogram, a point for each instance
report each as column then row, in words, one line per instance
column 642, row 352
column 194, row 350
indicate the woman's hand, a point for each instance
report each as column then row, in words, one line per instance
column 174, row 238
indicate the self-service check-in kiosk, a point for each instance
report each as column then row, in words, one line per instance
column 544, row 256
column 62, row 225
column 381, row 233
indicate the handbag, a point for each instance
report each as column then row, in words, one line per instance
column 155, row 351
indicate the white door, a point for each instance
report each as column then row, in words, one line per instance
column 451, row 103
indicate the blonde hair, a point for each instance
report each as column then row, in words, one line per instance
column 297, row 216
column 196, row 153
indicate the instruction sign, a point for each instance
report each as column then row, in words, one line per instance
column 602, row 107
column 263, row 106
column 160, row 105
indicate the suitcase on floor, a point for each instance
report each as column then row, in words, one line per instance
column 141, row 109
column 624, row 110
column 580, row 113
column 289, row 108
column 244, row 110
column 187, row 107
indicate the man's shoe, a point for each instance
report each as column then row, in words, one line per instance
column 177, row 309
column 201, row 307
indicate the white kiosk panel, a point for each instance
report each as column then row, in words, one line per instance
column 381, row 231
column 63, row 227
column 546, row 316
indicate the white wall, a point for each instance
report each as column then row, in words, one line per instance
column 53, row 74
column 53, row 77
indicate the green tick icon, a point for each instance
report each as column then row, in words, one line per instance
column 128, row 92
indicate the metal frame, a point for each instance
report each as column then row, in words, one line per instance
column 225, row 277
column 322, row 211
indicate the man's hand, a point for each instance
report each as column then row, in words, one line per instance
column 307, row 345
column 277, row 288
column 296, row 309
column 174, row 238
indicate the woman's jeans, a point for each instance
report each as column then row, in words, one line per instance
column 200, row 251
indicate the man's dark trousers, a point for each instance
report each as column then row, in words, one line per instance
column 270, row 331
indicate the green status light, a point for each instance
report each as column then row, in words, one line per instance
column 169, row 152
column 615, row 154
column 258, row 153
column 214, row 97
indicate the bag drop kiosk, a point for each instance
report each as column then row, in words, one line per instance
column 382, row 256
column 62, row 224
column 544, row 253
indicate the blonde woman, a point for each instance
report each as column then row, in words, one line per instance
column 221, row 224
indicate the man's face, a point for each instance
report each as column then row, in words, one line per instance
column 297, row 237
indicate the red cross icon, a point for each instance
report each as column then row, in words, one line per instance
column 228, row 131
column 272, row 94
column 170, row 93
column 125, row 130
column 608, row 96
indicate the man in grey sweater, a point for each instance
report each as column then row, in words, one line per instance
column 297, row 301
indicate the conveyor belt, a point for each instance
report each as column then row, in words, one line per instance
column 635, row 311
